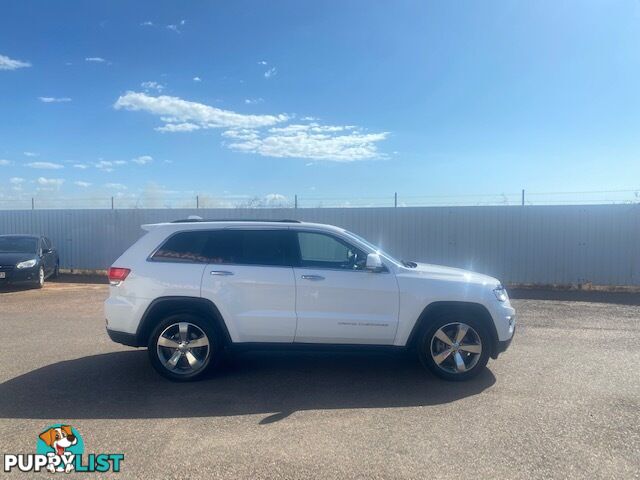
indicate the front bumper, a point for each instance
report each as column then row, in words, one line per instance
column 14, row 276
column 503, row 345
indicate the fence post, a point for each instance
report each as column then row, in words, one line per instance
column 33, row 204
column 523, row 197
column 111, row 203
column 395, row 200
column 295, row 201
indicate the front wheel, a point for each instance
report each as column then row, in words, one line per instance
column 455, row 347
column 40, row 279
column 183, row 346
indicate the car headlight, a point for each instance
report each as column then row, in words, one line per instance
column 501, row 293
column 27, row 263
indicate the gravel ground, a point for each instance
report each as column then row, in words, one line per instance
column 563, row 401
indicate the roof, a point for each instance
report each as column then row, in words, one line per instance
column 231, row 223
column 19, row 235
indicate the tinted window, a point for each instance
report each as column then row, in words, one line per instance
column 325, row 251
column 265, row 247
column 46, row 243
column 183, row 247
column 240, row 247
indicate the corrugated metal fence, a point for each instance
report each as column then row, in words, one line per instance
column 530, row 244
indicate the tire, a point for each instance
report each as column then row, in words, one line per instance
column 40, row 280
column 189, row 363
column 459, row 363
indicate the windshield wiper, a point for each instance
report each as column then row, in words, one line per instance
column 409, row 264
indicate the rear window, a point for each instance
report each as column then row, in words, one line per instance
column 183, row 247
column 240, row 247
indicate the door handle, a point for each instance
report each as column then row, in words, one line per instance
column 313, row 277
column 220, row 273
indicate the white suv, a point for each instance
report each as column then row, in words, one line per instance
column 189, row 289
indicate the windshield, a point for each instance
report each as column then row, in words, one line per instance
column 18, row 244
column 373, row 247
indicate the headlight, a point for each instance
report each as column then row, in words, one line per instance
column 501, row 293
column 27, row 263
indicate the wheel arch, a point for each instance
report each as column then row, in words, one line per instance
column 431, row 312
column 164, row 306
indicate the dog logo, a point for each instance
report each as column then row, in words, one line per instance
column 60, row 439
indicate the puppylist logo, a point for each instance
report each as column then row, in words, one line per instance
column 60, row 448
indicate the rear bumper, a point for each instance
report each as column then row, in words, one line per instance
column 128, row 339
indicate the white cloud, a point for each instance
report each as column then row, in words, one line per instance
column 120, row 162
column 272, row 72
column 197, row 79
column 275, row 199
column 16, row 180
column 54, row 99
column 81, row 166
column 82, row 184
column 4, row 163
column 31, row 154
column 104, row 165
column 95, row 59
column 45, row 165
column 7, row 63
column 176, row 27
column 115, row 186
column 259, row 134
column 152, row 86
column 148, row 23
column 178, row 127
column 262, row 62
column 192, row 115
column 253, row 101
column 50, row 182
column 310, row 141
column 143, row 160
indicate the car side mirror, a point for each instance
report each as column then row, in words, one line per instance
column 374, row 263
column 47, row 250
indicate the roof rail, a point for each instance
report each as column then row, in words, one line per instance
column 198, row 220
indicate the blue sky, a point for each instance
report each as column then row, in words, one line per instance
column 340, row 99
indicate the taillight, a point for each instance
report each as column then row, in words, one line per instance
column 117, row 275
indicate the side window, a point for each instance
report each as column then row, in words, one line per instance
column 239, row 247
column 318, row 250
column 183, row 247
column 223, row 246
column 266, row 247
column 46, row 243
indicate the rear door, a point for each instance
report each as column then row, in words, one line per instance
column 250, row 279
column 337, row 299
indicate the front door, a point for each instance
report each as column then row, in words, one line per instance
column 337, row 299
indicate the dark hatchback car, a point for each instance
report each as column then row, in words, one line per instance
column 27, row 259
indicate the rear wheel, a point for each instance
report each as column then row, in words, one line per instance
column 183, row 346
column 455, row 346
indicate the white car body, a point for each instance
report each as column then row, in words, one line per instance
column 290, row 304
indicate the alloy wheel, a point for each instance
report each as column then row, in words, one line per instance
column 183, row 348
column 456, row 347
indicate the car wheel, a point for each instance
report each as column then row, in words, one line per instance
column 40, row 279
column 455, row 347
column 183, row 346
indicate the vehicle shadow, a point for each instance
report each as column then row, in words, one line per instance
column 122, row 385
